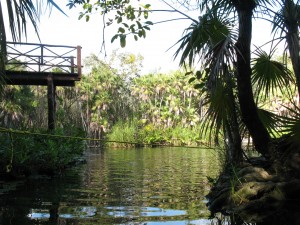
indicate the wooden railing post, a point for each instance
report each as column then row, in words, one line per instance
column 79, row 61
column 41, row 58
column 72, row 65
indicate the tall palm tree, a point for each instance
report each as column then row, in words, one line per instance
column 286, row 22
column 257, row 130
column 242, row 63
column 213, row 38
column 227, row 64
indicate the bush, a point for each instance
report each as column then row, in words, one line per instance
column 26, row 154
column 122, row 134
column 139, row 134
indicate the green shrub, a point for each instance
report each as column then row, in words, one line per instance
column 122, row 134
column 25, row 154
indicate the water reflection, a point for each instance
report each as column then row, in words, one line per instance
column 136, row 186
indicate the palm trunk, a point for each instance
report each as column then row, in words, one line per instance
column 293, row 45
column 248, row 107
column 292, row 39
column 2, row 42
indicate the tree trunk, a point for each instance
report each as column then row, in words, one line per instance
column 2, row 44
column 248, row 107
column 292, row 38
column 293, row 45
column 236, row 145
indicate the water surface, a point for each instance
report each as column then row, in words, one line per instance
column 153, row 186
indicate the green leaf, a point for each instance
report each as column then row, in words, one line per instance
column 188, row 73
column 146, row 15
column 125, row 25
column 198, row 74
column 144, row 33
column 139, row 25
column 149, row 23
column 140, row 33
column 199, row 86
column 192, row 79
column 123, row 41
column 132, row 29
column 147, row 6
column 121, row 30
column 147, row 28
column 119, row 20
column 114, row 38
column 135, row 37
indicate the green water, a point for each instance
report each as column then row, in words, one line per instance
column 154, row 186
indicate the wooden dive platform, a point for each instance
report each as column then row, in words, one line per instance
column 42, row 64
column 35, row 64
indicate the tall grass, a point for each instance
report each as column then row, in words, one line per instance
column 124, row 133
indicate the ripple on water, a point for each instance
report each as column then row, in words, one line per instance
column 149, row 186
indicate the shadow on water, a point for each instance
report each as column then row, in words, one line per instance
column 134, row 186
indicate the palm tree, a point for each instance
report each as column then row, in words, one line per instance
column 257, row 130
column 286, row 22
column 240, row 60
column 229, row 72
column 214, row 38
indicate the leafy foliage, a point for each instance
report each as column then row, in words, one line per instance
column 268, row 74
column 129, row 16
column 23, row 154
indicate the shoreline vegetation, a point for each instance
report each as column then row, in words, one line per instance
column 23, row 155
column 40, row 152
column 261, row 190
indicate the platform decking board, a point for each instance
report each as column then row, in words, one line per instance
column 39, row 78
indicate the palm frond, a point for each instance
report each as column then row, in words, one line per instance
column 20, row 12
column 202, row 36
column 291, row 123
column 220, row 108
column 17, row 13
column 287, row 15
column 271, row 121
column 268, row 74
column 220, row 60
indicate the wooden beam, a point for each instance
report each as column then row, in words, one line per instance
column 39, row 78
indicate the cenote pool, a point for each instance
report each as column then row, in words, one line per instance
column 153, row 186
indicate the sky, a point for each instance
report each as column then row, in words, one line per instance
column 58, row 29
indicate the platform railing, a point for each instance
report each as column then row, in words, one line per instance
column 43, row 58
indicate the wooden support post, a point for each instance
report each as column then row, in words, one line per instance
column 51, row 103
column 72, row 64
column 79, row 61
